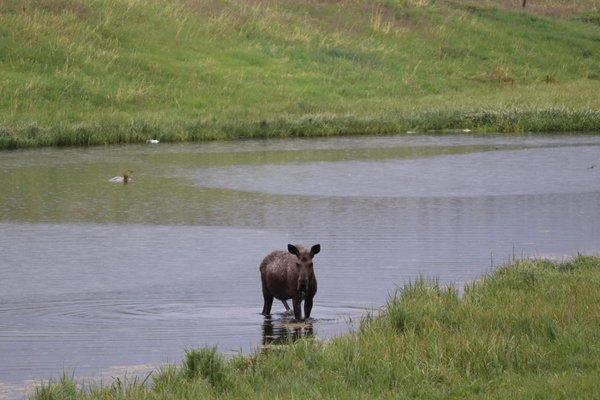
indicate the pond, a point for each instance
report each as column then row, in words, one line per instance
column 102, row 279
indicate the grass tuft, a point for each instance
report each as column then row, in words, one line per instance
column 206, row 363
column 65, row 388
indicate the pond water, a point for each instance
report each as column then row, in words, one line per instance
column 105, row 279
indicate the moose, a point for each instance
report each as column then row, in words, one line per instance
column 290, row 275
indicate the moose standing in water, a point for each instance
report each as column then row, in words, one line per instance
column 290, row 275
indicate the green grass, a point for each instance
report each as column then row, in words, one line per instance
column 82, row 72
column 528, row 331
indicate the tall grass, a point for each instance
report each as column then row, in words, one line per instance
column 528, row 331
column 512, row 121
column 110, row 71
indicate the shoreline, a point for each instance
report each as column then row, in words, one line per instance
column 509, row 334
column 518, row 122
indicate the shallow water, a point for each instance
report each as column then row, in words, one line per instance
column 105, row 279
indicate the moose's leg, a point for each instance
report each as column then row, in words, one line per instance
column 308, row 303
column 297, row 309
column 268, row 303
column 286, row 305
column 268, row 298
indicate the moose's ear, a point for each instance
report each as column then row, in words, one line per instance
column 315, row 249
column 293, row 249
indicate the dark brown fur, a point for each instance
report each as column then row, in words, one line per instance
column 290, row 275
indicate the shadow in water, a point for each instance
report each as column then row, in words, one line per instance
column 284, row 330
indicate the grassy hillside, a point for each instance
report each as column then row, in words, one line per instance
column 530, row 331
column 106, row 71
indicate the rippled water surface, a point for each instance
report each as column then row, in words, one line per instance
column 106, row 279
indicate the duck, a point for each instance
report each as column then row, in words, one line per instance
column 122, row 179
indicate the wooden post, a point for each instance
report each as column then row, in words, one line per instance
column 524, row 3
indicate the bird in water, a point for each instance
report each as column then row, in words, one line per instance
column 126, row 178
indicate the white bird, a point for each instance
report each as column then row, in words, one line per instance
column 152, row 141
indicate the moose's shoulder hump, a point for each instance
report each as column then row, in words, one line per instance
column 277, row 258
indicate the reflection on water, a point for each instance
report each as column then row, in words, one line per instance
column 284, row 330
column 94, row 274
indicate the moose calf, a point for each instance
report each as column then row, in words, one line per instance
column 290, row 275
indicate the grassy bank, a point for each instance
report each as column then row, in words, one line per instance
column 529, row 331
column 78, row 72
